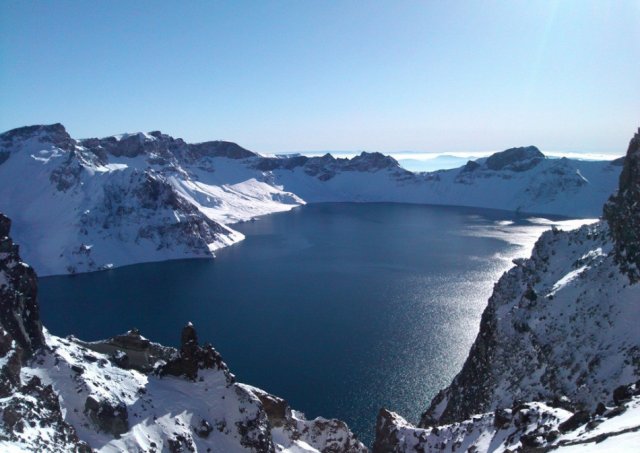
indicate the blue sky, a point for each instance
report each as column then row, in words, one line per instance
column 315, row 75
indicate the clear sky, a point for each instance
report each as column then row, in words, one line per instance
column 325, row 75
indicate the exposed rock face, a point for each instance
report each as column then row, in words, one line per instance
column 32, row 403
column 109, row 417
column 19, row 311
column 36, row 405
column 515, row 159
column 387, row 425
column 52, row 133
column 622, row 212
column 220, row 149
column 159, row 145
column 192, row 357
column 556, row 325
column 328, row 436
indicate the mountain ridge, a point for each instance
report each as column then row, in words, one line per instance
column 98, row 203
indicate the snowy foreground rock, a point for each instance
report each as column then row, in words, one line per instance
column 129, row 394
column 556, row 363
column 86, row 205
column 525, row 427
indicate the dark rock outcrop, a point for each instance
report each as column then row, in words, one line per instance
column 19, row 310
column 220, row 148
column 576, row 420
column 160, row 146
column 110, row 417
column 622, row 212
column 470, row 166
column 333, row 435
column 36, row 404
column 192, row 357
column 515, row 159
column 526, row 427
column 24, row 406
column 386, row 427
column 372, row 162
column 276, row 408
column 55, row 134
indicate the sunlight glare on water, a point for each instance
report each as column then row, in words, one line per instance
column 339, row 308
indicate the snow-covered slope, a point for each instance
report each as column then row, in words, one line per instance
column 525, row 427
column 560, row 331
column 129, row 394
column 84, row 205
column 518, row 179
column 562, row 323
column 88, row 205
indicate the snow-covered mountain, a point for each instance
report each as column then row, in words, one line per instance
column 84, row 205
column 129, row 394
column 560, row 332
column 556, row 364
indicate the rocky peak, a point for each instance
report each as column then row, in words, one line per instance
column 55, row 134
column 192, row 357
column 387, row 424
column 515, row 159
column 622, row 212
column 188, row 340
column 219, row 148
column 136, row 144
column 19, row 310
column 372, row 162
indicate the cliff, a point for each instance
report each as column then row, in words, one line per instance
column 559, row 332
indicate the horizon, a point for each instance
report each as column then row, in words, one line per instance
column 413, row 160
column 288, row 76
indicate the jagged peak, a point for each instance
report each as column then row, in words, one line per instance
column 375, row 160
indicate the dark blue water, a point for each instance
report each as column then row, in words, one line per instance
column 339, row 308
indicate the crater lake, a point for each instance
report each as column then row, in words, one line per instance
column 340, row 308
